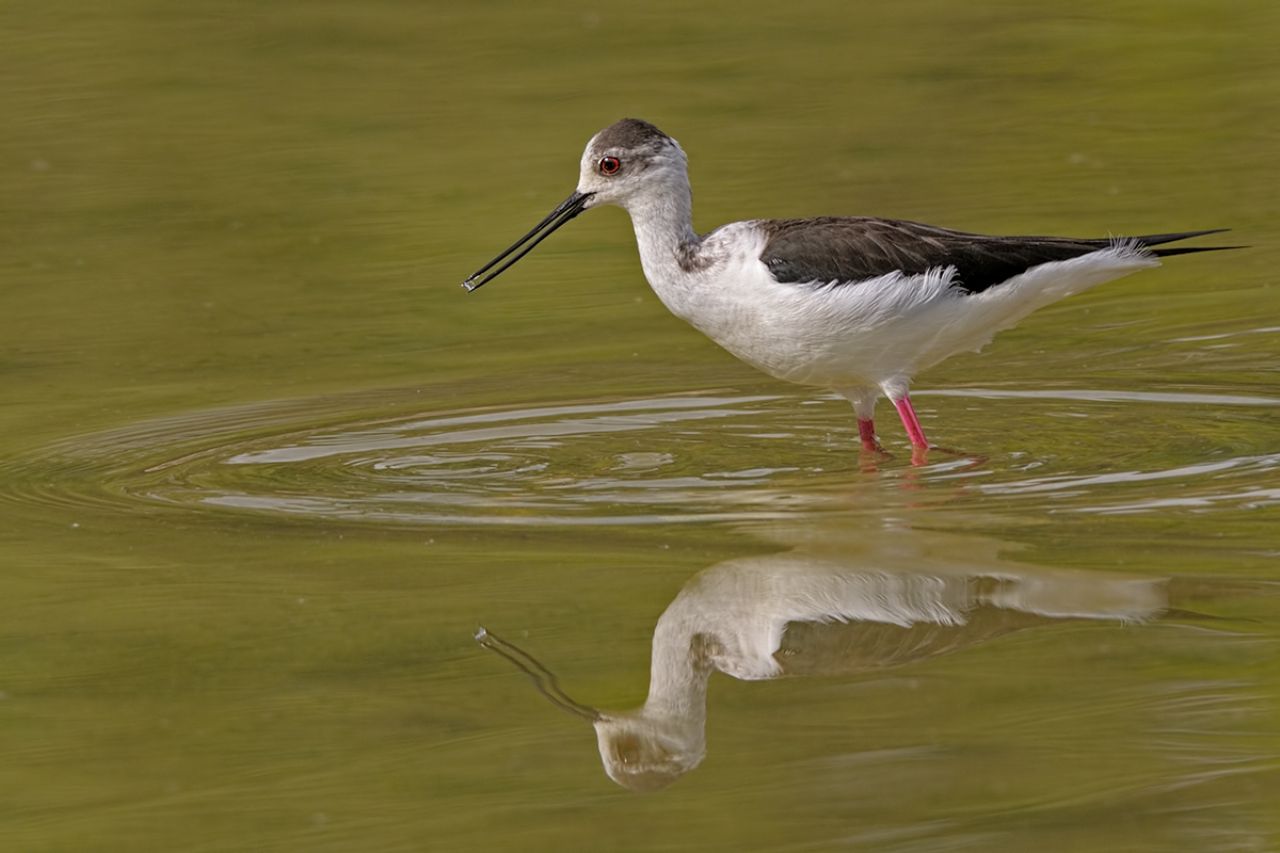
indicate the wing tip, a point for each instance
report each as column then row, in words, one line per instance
column 1175, row 236
column 1146, row 241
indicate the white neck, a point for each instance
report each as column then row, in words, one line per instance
column 669, row 247
column 678, row 676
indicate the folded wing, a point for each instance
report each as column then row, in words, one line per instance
column 847, row 250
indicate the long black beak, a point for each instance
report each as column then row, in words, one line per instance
column 567, row 209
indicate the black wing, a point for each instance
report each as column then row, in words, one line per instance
column 852, row 249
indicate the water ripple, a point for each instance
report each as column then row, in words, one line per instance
column 690, row 458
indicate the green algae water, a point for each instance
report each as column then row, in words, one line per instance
column 265, row 468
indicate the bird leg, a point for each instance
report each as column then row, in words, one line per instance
column 864, row 406
column 867, row 432
column 911, row 422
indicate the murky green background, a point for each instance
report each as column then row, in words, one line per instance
column 264, row 467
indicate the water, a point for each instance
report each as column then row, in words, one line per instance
column 265, row 468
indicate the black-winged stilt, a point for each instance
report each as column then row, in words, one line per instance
column 856, row 304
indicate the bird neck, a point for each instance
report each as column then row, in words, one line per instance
column 669, row 247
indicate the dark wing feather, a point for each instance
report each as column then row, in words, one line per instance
column 851, row 249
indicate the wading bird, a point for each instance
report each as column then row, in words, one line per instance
column 859, row 305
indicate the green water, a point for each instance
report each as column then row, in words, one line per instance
column 264, row 467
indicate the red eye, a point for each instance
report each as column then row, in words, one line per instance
column 610, row 165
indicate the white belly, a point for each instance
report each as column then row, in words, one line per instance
column 869, row 333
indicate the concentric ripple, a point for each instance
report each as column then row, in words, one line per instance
column 658, row 460
column 630, row 461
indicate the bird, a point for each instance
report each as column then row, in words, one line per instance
column 855, row 304
column 840, row 603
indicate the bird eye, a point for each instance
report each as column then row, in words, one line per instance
column 610, row 165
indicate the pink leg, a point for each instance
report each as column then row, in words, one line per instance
column 911, row 422
column 867, row 432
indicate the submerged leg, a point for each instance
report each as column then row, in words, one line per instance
column 864, row 406
column 867, row 432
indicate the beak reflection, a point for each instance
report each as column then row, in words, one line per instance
column 543, row 679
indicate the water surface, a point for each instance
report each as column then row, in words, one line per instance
column 265, row 468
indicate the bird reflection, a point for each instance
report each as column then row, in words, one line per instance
column 835, row 604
